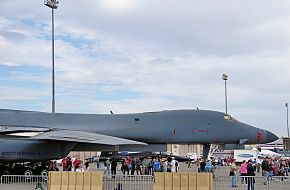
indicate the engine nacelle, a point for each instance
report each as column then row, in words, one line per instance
column 27, row 150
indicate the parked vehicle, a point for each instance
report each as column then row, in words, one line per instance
column 240, row 155
column 25, row 168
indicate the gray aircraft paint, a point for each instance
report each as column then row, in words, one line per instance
column 12, row 149
column 176, row 126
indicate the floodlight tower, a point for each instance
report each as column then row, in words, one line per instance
column 287, row 118
column 53, row 5
column 225, row 78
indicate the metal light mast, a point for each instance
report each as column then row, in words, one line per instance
column 53, row 5
column 225, row 78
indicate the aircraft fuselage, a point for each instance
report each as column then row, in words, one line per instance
column 177, row 126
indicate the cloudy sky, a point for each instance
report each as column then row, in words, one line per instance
column 148, row 55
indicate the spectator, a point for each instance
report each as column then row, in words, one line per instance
column 243, row 172
column 75, row 163
column 233, row 174
column 165, row 165
column 173, row 165
column 219, row 163
column 176, row 165
column 69, row 164
column 282, row 169
column 64, row 163
column 149, row 166
column 133, row 166
column 87, row 165
column 127, row 163
column 79, row 168
column 208, row 166
column 108, row 166
column 266, row 168
column 144, row 166
column 202, row 166
column 156, row 166
column 138, row 166
column 114, row 166
column 250, row 173
column 123, row 167
column 259, row 162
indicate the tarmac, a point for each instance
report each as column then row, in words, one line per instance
column 221, row 181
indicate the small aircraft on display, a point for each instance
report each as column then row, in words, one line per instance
column 120, row 156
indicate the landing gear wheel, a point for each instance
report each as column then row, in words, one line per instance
column 28, row 174
column 44, row 174
column 6, row 172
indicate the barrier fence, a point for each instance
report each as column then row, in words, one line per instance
column 16, row 182
column 162, row 181
column 259, row 183
column 128, row 182
column 279, row 182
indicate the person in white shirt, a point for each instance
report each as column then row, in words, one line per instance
column 165, row 165
column 80, row 168
column 258, row 164
column 173, row 167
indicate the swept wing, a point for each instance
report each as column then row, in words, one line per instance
column 41, row 133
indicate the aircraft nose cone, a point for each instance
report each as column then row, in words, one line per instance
column 271, row 137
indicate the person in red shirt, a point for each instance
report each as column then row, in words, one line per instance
column 64, row 163
column 76, row 163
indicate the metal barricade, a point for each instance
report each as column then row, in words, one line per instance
column 128, row 182
column 242, row 182
column 145, row 182
column 279, row 182
column 22, row 182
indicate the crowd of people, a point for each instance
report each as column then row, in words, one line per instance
column 210, row 165
column 266, row 167
column 146, row 166
column 275, row 167
column 269, row 166
column 129, row 166
column 74, row 164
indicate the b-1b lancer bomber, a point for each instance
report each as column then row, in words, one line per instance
column 38, row 136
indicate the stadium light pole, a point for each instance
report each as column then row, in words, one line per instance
column 53, row 5
column 225, row 78
column 287, row 118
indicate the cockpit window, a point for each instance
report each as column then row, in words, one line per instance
column 228, row 117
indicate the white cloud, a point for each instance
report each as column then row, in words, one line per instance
column 150, row 55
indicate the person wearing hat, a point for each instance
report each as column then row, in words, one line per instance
column 251, row 172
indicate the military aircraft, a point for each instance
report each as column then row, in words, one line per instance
column 35, row 136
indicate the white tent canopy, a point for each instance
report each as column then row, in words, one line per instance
column 254, row 148
column 269, row 153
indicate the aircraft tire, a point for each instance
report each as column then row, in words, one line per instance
column 28, row 173
column 44, row 174
column 6, row 172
